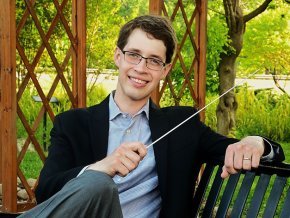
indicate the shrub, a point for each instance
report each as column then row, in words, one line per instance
column 263, row 113
column 96, row 94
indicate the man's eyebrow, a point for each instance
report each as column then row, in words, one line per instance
column 133, row 50
column 139, row 52
column 156, row 56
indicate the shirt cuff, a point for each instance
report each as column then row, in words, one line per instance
column 83, row 170
column 269, row 155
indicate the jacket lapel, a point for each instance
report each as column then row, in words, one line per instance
column 99, row 128
column 159, row 126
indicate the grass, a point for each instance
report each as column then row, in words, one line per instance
column 31, row 165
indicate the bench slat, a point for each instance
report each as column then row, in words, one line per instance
column 286, row 208
column 274, row 197
column 243, row 194
column 228, row 194
column 258, row 196
column 213, row 194
column 200, row 192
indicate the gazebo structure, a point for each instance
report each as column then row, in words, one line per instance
column 13, row 55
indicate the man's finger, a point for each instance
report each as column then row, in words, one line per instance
column 225, row 173
column 247, row 162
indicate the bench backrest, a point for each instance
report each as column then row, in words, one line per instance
column 263, row 192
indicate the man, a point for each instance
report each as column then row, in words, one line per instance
column 99, row 164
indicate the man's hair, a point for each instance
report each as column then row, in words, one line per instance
column 159, row 27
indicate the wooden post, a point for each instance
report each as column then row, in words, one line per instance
column 79, row 57
column 8, row 150
column 200, row 70
column 155, row 8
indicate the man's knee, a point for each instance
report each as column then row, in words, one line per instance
column 96, row 184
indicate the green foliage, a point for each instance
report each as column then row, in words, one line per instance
column 286, row 149
column 210, row 113
column 103, row 24
column 29, row 37
column 96, row 95
column 104, row 19
column 266, row 41
column 259, row 113
column 217, row 40
column 31, row 109
column 168, row 100
column 263, row 113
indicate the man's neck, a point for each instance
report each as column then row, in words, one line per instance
column 127, row 105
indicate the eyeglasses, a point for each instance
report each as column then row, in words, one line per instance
column 135, row 58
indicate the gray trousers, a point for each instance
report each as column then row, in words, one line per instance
column 92, row 194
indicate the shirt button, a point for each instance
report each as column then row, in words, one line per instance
column 128, row 131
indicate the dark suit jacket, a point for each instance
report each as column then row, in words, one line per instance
column 80, row 137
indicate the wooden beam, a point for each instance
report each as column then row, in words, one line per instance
column 8, row 146
column 79, row 58
column 200, row 68
column 155, row 8
column 202, row 56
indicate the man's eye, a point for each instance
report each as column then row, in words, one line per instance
column 134, row 55
column 155, row 61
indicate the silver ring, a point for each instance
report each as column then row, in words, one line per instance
column 246, row 158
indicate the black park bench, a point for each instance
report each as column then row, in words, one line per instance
column 261, row 192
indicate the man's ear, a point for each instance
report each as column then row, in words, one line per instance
column 117, row 57
column 166, row 70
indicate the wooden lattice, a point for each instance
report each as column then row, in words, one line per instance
column 189, row 61
column 70, row 62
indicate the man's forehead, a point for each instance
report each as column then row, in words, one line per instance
column 144, row 42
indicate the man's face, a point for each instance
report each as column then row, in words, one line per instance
column 136, row 82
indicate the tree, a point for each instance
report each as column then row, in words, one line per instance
column 104, row 19
column 266, row 42
column 236, row 22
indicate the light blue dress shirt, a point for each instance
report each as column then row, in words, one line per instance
column 138, row 191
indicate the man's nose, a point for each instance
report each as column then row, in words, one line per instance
column 142, row 65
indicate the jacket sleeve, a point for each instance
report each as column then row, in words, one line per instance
column 59, row 166
column 273, row 151
column 213, row 146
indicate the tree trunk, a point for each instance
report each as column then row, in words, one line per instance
column 236, row 23
column 228, row 105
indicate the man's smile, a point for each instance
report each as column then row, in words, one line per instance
column 139, row 81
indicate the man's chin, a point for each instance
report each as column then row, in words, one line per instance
column 138, row 96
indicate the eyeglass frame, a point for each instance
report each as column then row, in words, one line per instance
column 140, row 59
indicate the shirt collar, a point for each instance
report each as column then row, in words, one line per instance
column 114, row 110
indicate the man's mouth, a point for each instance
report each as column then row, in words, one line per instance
column 139, row 81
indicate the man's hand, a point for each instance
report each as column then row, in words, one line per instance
column 244, row 154
column 122, row 161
